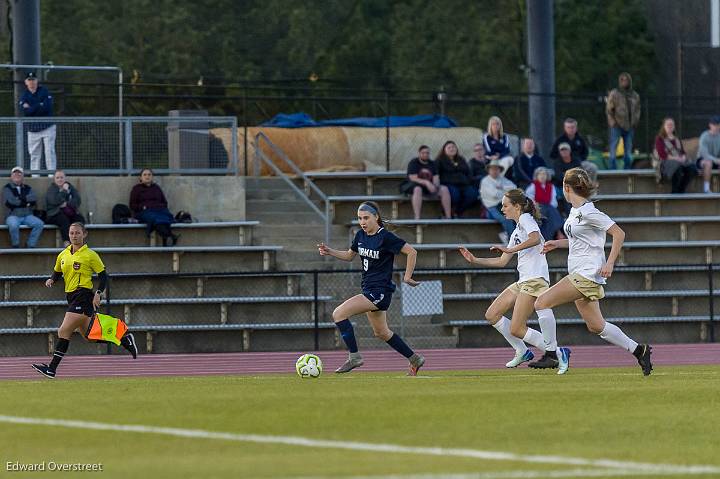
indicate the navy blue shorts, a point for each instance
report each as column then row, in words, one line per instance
column 698, row 163
column 381, row 300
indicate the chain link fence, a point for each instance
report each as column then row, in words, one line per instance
column 293, row 310
column 108, row 145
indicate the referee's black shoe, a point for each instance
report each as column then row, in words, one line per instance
column 45, row 370
column 547, row 361
column 642, row 353
column 128, row 342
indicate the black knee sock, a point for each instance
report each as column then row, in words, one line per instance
column 399, row 345
column 60, row 350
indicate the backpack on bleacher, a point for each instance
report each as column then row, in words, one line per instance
column 121, row 214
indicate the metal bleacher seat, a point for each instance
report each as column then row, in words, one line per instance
column 113, row 231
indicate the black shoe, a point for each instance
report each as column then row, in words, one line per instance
column 128, row 342
column 45, row 370
column 545, row 362
column 642, row 353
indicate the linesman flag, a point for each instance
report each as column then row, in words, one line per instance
column 106, row 329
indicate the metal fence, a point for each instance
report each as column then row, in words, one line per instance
column 657, row 303
column 113, row 145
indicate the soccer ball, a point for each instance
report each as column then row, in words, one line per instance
column 308, row 366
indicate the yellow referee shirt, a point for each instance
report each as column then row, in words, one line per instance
column 77, row 268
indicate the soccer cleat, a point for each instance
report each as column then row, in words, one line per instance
column 416, row 362
column 128, row 342
column 520, row 358
column 545, row 362
column 352, row 363
column 45, row 370
column 643, row 357
column 563, row 355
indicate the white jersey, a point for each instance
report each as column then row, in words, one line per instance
column 585, row 229
column 531, row 262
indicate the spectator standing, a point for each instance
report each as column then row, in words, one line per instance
column 423, row 180
column 36, row 102
column 543, row 193
column 709, row 151
column 478, row 165
column 572, row 137
column 497, row 144
column 148, row 204
column 20, row 199
column 62, row 203
column 526, row 164
column 674, row 163
column 492, row 190
column 455, row 174
column 623, row 114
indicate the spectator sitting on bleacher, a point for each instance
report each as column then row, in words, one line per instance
column 566, row 161
column 20, row 199
column 149, row 206
column 455, row 174
column 497, row 144
column 423, row 180
column 478, row 165
column 62, row 203
column 709, row 151
column 526, row 163
column 543, row 193
column 674, row 163
column 492, row 190
column 570, row 135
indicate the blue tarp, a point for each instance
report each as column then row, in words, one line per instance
column 303, row 120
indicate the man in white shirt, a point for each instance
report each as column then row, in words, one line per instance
column 492, row 190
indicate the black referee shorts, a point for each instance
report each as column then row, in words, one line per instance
column 80, row 301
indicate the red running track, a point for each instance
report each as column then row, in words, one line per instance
column 375, row 360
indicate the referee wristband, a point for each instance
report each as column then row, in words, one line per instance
column 100, row 292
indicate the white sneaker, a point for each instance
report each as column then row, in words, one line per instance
column 504, row 238
column 520, row 358
column 563, row 355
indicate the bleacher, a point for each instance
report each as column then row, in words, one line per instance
column 229, row 286
column 190, row 297
column 662, row 229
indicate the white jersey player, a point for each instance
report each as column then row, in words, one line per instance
column 532, row 267
column 588, row 269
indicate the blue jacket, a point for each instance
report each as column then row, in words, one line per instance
column 39, row 104
column 493, row 146
column 524, row 168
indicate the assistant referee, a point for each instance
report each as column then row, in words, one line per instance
column 76, row 264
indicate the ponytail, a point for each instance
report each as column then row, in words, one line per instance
column 527, row 205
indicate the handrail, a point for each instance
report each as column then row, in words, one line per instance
column 260, row 155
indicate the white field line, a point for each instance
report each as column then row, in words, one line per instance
column 363, row 446
column 561, row 474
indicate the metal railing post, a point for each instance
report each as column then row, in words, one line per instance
column 234, row 149
column 316, row 306
column 19, row 144
column 128, row 145
column 711, row 295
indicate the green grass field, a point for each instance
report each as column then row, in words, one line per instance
column 672, row 417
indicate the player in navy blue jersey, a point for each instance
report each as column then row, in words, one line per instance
column 377, row 248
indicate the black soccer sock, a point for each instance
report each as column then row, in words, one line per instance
column 348, row 334
column 399, row 345
column 638, row 351
column 60, row 350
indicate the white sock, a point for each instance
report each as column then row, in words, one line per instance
column 614, row 335
column 546, row 318
column 503, row 326
column 706, row 186
column 535, row 338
